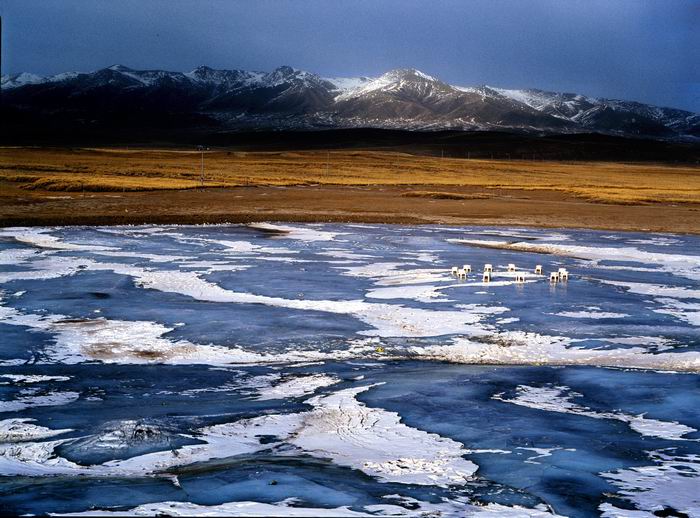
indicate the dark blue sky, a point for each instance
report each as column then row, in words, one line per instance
column 632, row 49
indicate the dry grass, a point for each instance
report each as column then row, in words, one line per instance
column 86, row 183
column 130, row 170
column 440, row 195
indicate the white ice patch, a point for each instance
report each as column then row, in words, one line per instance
column 33, row 378
column 377, row 442
column 656, row 290
column 686, row 311
column 12, row 256
column 291, row 508
column 655, row 241
column 40, row 237
column 658, row 343
column 51, row 267
column 541, row 453
column 22, row 402
column 154, row 258
column 143, row 342
column 297, row 386
column 246, row 247
column 522, row 348
column 419, row 293
column 244, row 508
column 560, row 399
column 213, row 266
column 595, row 315
column 671, row 482
column 19, row 430
column 309, row 233
column 667, row 297
column 339, row 253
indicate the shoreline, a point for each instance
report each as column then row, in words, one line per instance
column 243, row 220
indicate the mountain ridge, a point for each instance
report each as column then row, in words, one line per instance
column 288, row 98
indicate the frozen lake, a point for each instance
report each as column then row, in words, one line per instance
column 341, row 370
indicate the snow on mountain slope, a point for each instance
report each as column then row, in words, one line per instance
column 290, row 98
column 394, row 81
column 345, row 84
column 17, row 80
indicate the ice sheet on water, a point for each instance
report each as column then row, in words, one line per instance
column 395, row 289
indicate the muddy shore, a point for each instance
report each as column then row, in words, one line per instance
column 337, row 204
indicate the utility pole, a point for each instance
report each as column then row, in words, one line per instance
column 201, row 172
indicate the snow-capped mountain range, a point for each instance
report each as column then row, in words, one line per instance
column 287, row 98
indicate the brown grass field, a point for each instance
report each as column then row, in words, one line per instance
column 62, row 186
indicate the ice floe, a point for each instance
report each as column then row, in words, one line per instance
column 377, row 442
column 561, row 399
column 24, row 429
column 297, row 386
column 670, row 484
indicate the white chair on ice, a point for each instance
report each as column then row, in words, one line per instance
column 554, row 277
column 488, row 268
column 519, row 277
column 486, row 277
column 538, row 269
column 461, row 274
column 467, row 268
column 455, row 270
column 511, row 267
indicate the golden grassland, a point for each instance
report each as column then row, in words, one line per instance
column 99, row 170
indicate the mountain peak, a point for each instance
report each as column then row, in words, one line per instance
column 408, row 73
column 120, row 68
